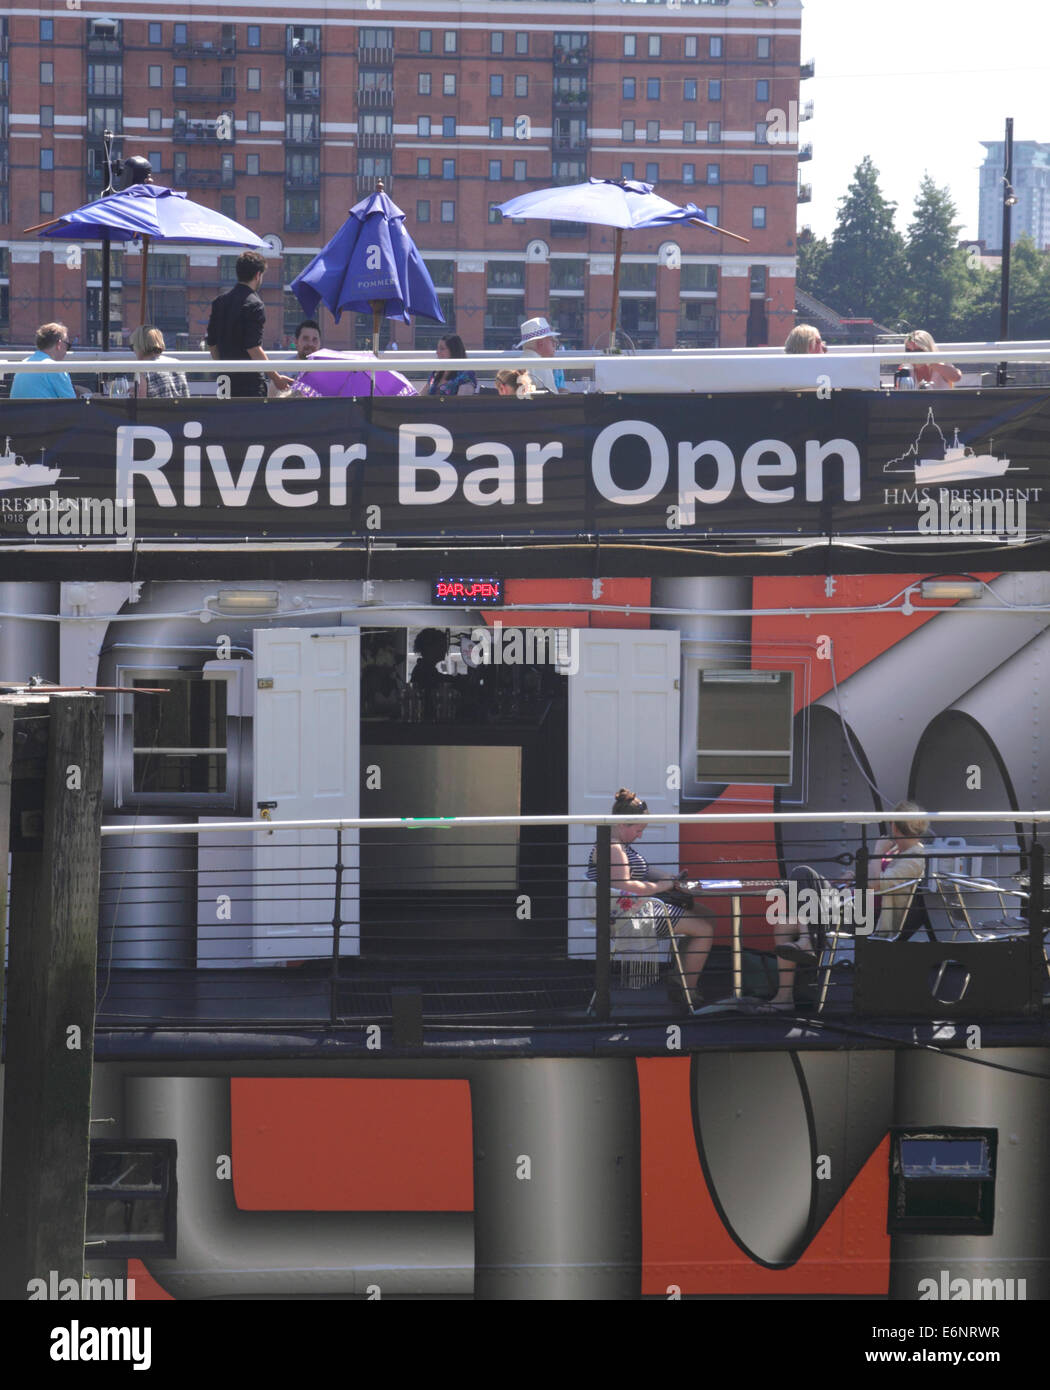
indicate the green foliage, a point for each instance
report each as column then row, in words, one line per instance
column 864, row 270
column 812, row 257
column 935, row 266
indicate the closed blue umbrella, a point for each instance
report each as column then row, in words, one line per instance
column 370, row 265
column 619, row 203
column 153, row 213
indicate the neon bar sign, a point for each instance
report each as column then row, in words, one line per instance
column 470, row 589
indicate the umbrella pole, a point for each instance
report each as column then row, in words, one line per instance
column 377, row 309
column 145, row 272
column 616, row 287
column 105, row 292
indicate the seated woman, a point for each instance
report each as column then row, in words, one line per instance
column 940, row 375
column 891, row 871
column 148, row 345
column 460, row 382
column 631, row 881
column 515, row 381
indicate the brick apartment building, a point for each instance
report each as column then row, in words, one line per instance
column 285, row 119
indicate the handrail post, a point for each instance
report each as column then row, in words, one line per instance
column 603, row 926
column 337, row 914
column 1036, row 923
column 860, row 877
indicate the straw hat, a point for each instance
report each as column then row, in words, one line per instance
column 533, row 329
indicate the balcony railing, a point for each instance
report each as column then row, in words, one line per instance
column 382, row 97
column 302, row 51
column 3, row 87
column 570, row 100
column 307, row 180
column 203, row 178
column 373, row 141
column 204, row 48
column 302, row 96
column 805, row 152
column 574, row 58
column 5, row 173
column 99, row 43
column 572, row 142
column 310, row 135
column 367, row 183
column 806, row 70
column 805, row 193
column 562, row 229
column 303, row 222
column 216, row 95
column 378, row 904
column 375, row 57
column 109, row 87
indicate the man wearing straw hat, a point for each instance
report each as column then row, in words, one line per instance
column 537, row 339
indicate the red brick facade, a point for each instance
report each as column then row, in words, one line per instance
column 499, row 98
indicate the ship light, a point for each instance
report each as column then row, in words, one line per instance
column 244, row 602
column 952, row 588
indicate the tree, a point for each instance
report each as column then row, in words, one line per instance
column 812, row 259
column 863, row 275
column 935, row 265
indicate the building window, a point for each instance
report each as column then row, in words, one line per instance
column 495, row 42
column 760, row 175
column 763, row 48
column 714, row 132
column 155, row 119
column 423, row 127
column 712, row 173
column 654, row 45
column 714, row 47
column 690, row 46
column 47, row 203
column 251, row 209
column 699, row 277
column 689, row 173
column 627, row 130
column 179, row 77
column 228, row 205
column 47, row 116
column 521, row 43
column 762, row 90
column 424, row 84
column 495, row 216
column 627, row 170
column 689, row 89
column 652, row 173
column 155, row 76
column 448, row 127
column 713, row 213
column 451, row 40
column 630, row 44
column 758, row 217
column 628, row 89
column 254, row 36
column 47, row 30
column 155, row 35
column 422, row 168
column 495, row 170
column 448, row 84
column 180, row 36
column 519, row 171
column 423, row 210
column 689, row 132
column 426, row 40
column 156, row 160
column 254, row 80
column 496, row 84
column 448, row 168
column 652, row 89
column 652, row 132
column 521, row 85
column 741, row 723
column 495, row 127
column 253, row 122
column 47, row 74
column 714, row 89
column 448, row 211
column 759, row 279
column 251, row 164
column 47, row 159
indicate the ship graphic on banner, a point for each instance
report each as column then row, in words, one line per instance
column 15, row 473
column 936, row 461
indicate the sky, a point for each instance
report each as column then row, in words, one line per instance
column 918, row 84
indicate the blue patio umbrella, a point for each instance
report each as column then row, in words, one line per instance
column 619, row 203
column 152, row 213
column 370, row 265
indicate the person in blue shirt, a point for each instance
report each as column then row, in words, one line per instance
column 52, row 341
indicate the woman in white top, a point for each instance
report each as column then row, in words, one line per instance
column 148, row 346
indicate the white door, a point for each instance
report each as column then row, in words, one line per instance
column 307, row 741
column 623, row 732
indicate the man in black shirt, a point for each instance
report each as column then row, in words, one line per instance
column 235, row 329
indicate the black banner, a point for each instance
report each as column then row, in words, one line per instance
column 672, row 467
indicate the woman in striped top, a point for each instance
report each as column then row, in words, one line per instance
column 631, row 880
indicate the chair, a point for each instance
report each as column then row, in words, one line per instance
column 897, row 902
column 953, row 890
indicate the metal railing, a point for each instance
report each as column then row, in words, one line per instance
column 490, row 920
